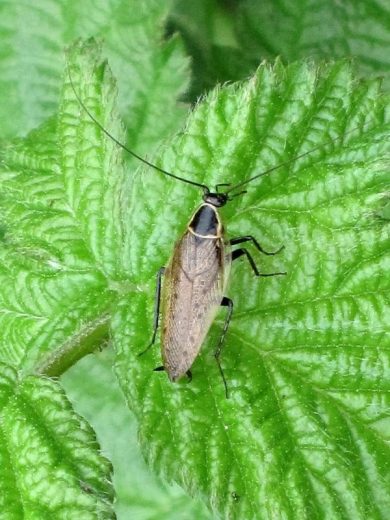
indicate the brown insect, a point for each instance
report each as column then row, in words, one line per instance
column 194, row 286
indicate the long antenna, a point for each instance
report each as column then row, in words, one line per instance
column 124, row 147
column 293, row 159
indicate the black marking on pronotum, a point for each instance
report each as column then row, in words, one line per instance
column 196, row 275
column 205, row 222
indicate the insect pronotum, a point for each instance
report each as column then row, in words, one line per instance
column 191, row 288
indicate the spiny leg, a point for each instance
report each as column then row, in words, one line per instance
column 157, row 300
column 239, row 252
column 226, row 302
column 250, row 238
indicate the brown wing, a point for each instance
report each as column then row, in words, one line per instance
column 193, row 288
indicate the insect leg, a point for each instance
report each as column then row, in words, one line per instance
column 226, row 302
column 239, row 252
column 250, row 238
column 157, row 300
column 217, row 186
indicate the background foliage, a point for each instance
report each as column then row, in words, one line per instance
column 304, row 433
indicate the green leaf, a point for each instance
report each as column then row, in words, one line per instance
column 228, row 40
column 151, row 73
column 304, row 432
column 95, row 392
column 384, row 211
column 50, row 461
column 208, row 28
column 53, row 299
column 322, row 29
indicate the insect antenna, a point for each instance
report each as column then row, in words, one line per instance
column 131, row 152
column 230, row 197
column 286, row 163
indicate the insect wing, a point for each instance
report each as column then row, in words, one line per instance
column 194, row 284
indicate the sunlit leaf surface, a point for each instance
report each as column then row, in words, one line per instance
column 304, row 432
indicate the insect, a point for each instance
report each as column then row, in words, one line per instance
column 194, row 285
column 191, row 288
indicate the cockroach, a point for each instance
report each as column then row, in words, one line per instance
column 191, row 287
column 194, row 285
